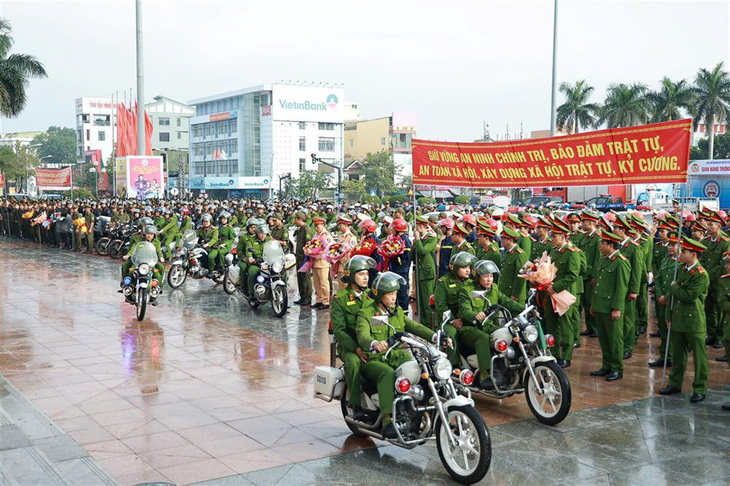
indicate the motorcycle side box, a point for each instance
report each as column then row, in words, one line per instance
column 328, row 382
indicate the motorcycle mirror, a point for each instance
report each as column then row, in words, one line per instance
column 379, row 321
column 478, row 294
column 447, row 315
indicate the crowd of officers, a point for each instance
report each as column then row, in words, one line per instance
column 607, row 261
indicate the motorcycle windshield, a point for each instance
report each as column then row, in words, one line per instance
column 272, row 252
column 189, row 239
column 144, row 252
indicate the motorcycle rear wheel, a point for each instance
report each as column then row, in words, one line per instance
column 228, row 286
column 141, row 303
column 346, row 412
column 102, row 246
column 555, row 382
column 176, row 276
column 115, row 248
column 469, row 427
column 279, row 301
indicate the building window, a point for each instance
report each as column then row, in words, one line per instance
column 234, row 146
column 102, row 136
column 88, row 134
column 302, row 164
column 382, row 141
column 102, row 120
column 302, row 125
column 179, row 135
column 179, row 122
column 164, row 121
column 326, row 126
column 326, row 144
column 85, row 118
column 209, row 130
column 164, row 136
column 302, row 144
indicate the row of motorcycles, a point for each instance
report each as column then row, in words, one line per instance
column 189, row 259
column 434, row 401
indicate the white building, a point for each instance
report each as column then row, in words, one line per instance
column 22, row 138
column 171, row 123
column 96, row 120
column 243, row 141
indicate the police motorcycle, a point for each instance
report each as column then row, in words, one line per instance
column 270, row 283
column 141, row 289
column 119, row 246
column 188, row 260
column 521, row 362
column 427, row 398
column 102, row 229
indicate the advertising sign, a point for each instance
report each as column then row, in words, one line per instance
column 300, row 103
column 657, row 153
column 2, row 180
column 53, row 178
column 233, row 182
column 719, row 167
column 144, row 177
column 120, row 168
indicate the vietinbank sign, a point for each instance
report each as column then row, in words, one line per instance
column 305, row 103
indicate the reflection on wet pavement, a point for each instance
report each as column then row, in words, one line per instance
column 207, row 388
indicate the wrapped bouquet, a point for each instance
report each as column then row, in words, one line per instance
column 336, row 251
column 314, row 249
column 393, row 246
column 80, row 223
column 366, row 247
column 541, row 275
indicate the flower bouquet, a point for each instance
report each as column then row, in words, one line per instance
column 27, row 214
column 80, row 223
column 393, row 246
column 334, row 254
column 541, row 275
column 314, row 249
column 366, row 247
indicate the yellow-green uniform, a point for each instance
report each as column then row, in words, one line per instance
column 711, row 259
column 689, row 327
column 226, row 236
column 589, row 243
column 567, row 261
column 662, row 278
column 464, row 246
column 474, row 335
column 158, row 272
column 633, row 253
column 160, row 223
column 512, row 285
column 422, row 251
column 255, row 250
column 642, row 302
column 303, row 235
column 208, row 236
column 89, row 219
column 167, row 234
column 609, row 294
column 723, row 301
column 446, row 297
column 280, row 233
column 241, row 248
column 343, row 314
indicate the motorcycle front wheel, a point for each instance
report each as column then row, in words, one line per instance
column 176, row 276
column 114, row 249
column 141, row 303
column 228, row 286
column 102, row 246
column 279, row 300
column 552, row 406
column 469, row 460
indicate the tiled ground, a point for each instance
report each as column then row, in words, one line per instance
column 207, row 388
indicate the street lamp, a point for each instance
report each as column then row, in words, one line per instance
column 316, row 160
column 281, row 178
column 93, row 170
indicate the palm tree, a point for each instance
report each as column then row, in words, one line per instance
column 712, row 89
column 671, row 99
column 625, row 106
column 15, row 73
column 576, row 112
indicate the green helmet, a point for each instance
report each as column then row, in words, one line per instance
column 484, row 267
column 150, row 230
column 252, row 222
column 461, row 259
column 358, row 263
column 145, row 222
column 385, row 283
column 207, row 217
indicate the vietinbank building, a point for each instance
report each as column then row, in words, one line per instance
column 242, row 142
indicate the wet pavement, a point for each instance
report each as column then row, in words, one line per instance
column 205, row 388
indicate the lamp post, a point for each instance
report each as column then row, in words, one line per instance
column 281, row 178
column 96, row 172
column 316, row 160
column 553, row 93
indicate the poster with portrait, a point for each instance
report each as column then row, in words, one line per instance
column 144, row 177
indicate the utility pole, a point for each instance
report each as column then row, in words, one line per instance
column 281, row 178
column 553, row 93
column 316, row 160
column 141, row 128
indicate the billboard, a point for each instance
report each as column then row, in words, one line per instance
column 120, row 169
column 302, row 103
column 140, row 176
column 232, row 182
column 53, row 178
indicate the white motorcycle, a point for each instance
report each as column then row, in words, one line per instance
column 141, row 289
column 429, row 405
column 188, row 261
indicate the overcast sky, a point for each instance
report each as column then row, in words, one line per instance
column 453, row 64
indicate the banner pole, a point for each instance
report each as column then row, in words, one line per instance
column 415, row 270
column 676, row 270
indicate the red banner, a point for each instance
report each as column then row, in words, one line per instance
column 53, row 177
column 2, row 180
column 656, row 153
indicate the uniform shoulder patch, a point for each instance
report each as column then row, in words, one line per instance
column 725, row 276
column 634, row 243
column 725, row 238
column 520, row 250
column 573, row 248
column 701, row 270
column 622, row 257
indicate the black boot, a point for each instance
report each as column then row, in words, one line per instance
column 389, row 431
column 358, row 413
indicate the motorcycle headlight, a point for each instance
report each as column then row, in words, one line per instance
column 531, row 334
column 264, row 266
column 260, row 279
column 277, row 267
column 143, row 269
column 442, row 368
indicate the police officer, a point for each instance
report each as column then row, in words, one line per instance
column 542, row 243
column 279, row 231
column 632, row 251
column 688, row 325
column 446, row 296
column 254, row 255
column 445, row 246
column 226, row 237
column 302, row 235
column 424, row 247
column 608, row 301
column 512, row 262
column 208, row 237
column 401, row 264
column 488, row 248
column 150, row 236
column 168, row 232
column 662, row 278
column 345, row 306
column 717, row 244
column 459, row 238
column 589, row 243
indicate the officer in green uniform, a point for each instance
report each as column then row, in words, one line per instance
column 150, row 236
column 279, row 231
column 459, row 240
column 567, row 261
column 662, row 278
column 642, row 301
column 633, row 253
column 688, row 326
column 446, row 297
column 487, row 248
column 542, row 243
column 302, row 235
column 208, row 237
column 254, row 254
column 422, row 252
column 89, row 220
column 608, row 301
column 187, row 224
column 168, row 232
column 723, row 302
column 589, row 243
column 242, row 247
column 717, row 244
column 373, row 340
column 226, row 237
column 159, row 219
column 512, row 262
column 345, row 306
column 476, row 331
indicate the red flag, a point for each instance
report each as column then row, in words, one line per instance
column 133, row 131
column 121, row 130
column 148, row 129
